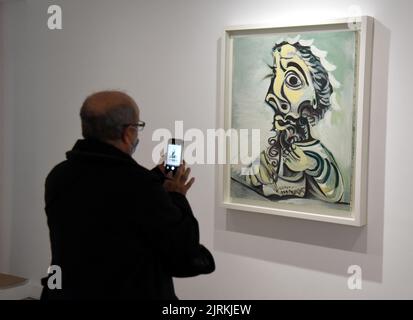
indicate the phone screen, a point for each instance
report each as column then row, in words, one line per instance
column 173, row 157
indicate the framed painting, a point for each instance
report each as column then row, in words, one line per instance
column 304, row 92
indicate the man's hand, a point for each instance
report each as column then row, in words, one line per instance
column 179, row 183
column 161, row 167
column 297, row 161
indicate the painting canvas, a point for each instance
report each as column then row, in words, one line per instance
column 301, row 89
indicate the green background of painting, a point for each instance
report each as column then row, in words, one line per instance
column 251, row 56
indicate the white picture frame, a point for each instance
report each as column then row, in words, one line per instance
column 357, row 215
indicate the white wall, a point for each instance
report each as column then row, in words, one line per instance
column 3, row 223
column 6, row 119
column 166, row 55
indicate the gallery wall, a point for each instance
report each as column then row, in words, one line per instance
column 3, row 223
column 5, row 142
column 166, row 54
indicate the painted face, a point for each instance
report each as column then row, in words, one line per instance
column 291, row 92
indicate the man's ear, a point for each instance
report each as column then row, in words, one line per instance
column 314, row 102
column 125, row 135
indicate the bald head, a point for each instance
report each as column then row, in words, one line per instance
column 105, row 114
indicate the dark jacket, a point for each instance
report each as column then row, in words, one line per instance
column 114, row 230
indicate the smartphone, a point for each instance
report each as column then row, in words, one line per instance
column 174, row 154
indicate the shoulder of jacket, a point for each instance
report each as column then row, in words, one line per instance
column 144, row 174
column 60, row 167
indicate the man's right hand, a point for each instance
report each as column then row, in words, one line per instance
column 179, row 183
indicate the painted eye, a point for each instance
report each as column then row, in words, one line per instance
column 293, row 81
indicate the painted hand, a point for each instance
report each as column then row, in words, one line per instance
column 263, row 173
column 297, row 161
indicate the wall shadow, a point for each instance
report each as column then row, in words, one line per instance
column 321, row 246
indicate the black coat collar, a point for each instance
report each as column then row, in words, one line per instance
column 95, row 150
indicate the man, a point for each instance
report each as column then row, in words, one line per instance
column 118, row 230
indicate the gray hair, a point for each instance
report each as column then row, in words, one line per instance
column 107, row 125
